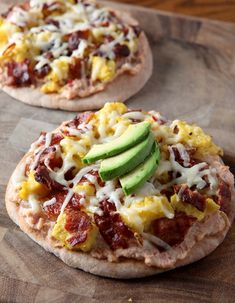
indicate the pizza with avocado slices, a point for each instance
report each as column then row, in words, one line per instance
column 73, row 55
column 123, row 193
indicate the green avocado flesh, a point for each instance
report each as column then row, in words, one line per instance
column 133, row 135
column 134, row 179
column 125, row 162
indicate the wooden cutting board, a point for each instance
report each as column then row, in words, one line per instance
column 193, row 79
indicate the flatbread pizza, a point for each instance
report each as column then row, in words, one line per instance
column 123, row 193
column 72, row 55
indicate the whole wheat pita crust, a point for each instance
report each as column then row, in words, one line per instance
column 121, row 88
column 202, row 238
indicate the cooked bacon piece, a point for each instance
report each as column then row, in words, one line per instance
column 50, row 159
column 180, row 160
column 74, row 39
column 172, row 231
column 19, row 73
column 168, row 192
column 121, row 50
column 114, row 231
column 42, row 72
column 75, row 69
column 224, row 196
column 79, row 119
column 78, row 223
column 194, row 198
column 55, row 139
column 52, row 211
column 52, row 8
column 53, row 22
column 42, row 176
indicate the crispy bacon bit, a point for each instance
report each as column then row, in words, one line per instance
column 49, row 158
column 74, row 39
column 224, row 196
column 172, row 231
column 121, row 50
column 75, row 69
column 194, row 198
column 55, row 139
column 53, row 22
column 114, row 231
column 79, row 119
column 52, row 8
column 69, row 174
column 42, row 176
column 180, row 160
column 79, row 224
column 52, row 211
column 42, row 72
column 19, row 74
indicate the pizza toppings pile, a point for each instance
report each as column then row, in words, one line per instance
column 78, row 181
column 72, row 48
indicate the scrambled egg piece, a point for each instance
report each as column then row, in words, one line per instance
column 140, row 214
column 102, row 69
column 31, row 186
column 105, row 120
column 117, row 107
column 190, row 210
column 50, row 87
column 6, row 31
column 60, row 233
column 194, row 136
column 76, row 148
column 86, row 188
column 60, row 70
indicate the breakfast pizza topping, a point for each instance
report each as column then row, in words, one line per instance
column 118, row 195
column 19, row 73
column 61, row 45
column 78, row 223
column 172, row 231
column 112, row 228
column 189, row 196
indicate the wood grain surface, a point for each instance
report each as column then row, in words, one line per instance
column 193, row 79
column 223, row 10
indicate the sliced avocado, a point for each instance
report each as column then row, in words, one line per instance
column 123, row 163
column 134, row 134
column 141, row 173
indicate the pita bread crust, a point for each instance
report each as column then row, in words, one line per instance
column 121, row 88
column 201, row 240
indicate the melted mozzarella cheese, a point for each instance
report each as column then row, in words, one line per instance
column 42, row 149
column 81, row 49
